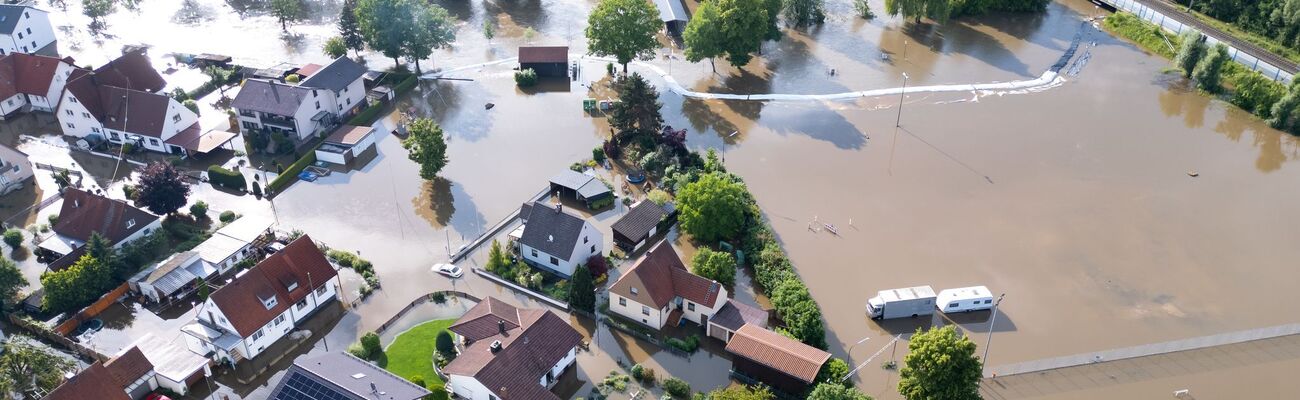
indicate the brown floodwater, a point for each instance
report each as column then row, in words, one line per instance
column 1076, row 201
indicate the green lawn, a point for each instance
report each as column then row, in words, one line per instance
column 411, row 353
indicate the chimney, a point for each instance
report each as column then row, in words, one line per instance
column 496, row 346
column 501, row 325
column 559, row 207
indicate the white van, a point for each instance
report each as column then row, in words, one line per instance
column 965, row 299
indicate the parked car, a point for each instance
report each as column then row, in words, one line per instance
column 449, row 270
column 274, row 247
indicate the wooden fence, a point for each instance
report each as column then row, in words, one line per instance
column 66, row 327
column 41, row 331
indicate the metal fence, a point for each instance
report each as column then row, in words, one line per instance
column 1147, row 350
column 1275, row 69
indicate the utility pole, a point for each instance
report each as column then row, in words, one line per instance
column 984, row 361
column 899, row 120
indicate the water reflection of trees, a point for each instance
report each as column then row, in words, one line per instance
column 436, row 204
column 1180, row 99
column 192, row 12
column 524, row 13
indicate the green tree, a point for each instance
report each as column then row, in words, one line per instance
column 835, row 391
column 582, row 290
column 25, row 367
column 937, row 10
column 734, row 28
column 1191, row 48
column 286, row 11
column 445, row 345
column 834, row 371
column 335, row 47
column 742, row 393
column 637, row 111
column 806, row 12
column 713, row 207
column 497, row 262
column 191, row 105
column 99, row 248
column 427, row 146
column 863, row 9
column 940, row 365
column 76, row 286
column 1257, row 94
column 623, row 29
column 370, row 342
column 432, row 28
column 773, row 8
column 789, row 293
column 385, row 24
column 203, row 289
column 97, row 9
column 1285, row 110
column 715, row 265
column 11, row 282
column 199, row 210
column 14, row 238
column 804, row 322
column 350, row 28
column 163, row 189
column 489, row 30
column 1209, row 72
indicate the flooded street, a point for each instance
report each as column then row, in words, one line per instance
column 1074, row 201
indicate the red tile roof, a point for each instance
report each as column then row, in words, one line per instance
column 27, row 74
column 129, row 367
column 527, row 353
column 300, row 262
column 94, row 382
column 485, row 319
column 543, row 54
column 84, row 213
column 777, row 352
column 118, row 108
column 659, row 276
column 132, row 70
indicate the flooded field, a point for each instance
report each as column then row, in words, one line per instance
column 1076, row 201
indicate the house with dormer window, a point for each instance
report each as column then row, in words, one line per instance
column 84, row 214
column 263, row 304
column 310, row 108
column 555, row 240
column 509, row 353
column 659, row 291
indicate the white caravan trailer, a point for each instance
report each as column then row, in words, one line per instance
column 974, row 298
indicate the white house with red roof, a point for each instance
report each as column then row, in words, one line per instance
column 508, row 353
column 30, row 82
column 263, row 304
column 659, row 291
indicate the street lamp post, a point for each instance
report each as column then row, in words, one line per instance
column 899, row 120
column 984, row 361
column 850, row 352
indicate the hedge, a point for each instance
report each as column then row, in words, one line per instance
column 405, row 85
column 291, row 174
column 367, row 116
column 224, row 177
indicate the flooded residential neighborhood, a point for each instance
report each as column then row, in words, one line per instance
column 684, row 228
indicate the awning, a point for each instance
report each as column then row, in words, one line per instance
column 194, row 139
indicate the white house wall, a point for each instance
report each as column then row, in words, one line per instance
column 632, row 311
column 271, row 333
column 558, row 368
column 466, row 387
column 352, row 96
column 75, row 119
column 41, row 33
column 55, row 93
column 702, row 309
column 12, row 104
column 153, row 226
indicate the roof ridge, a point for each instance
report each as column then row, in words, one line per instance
column 779, row 347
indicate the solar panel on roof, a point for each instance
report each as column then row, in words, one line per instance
column 301, row 387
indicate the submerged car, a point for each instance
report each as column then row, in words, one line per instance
column 449, row 270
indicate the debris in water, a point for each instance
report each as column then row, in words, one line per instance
column 733, row 133
column 489, row 106
column 1193, row 173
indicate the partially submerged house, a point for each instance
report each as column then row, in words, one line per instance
column 172, row 278
column 340, row 376
column 556, row 240
column 581, row 187
column 311, row 108
column 83, row 214
column 26, row 29
column 658, row 291
column 641, row 223
column 509, row 353
column 785, row 364
column 15, row 169
column 346, row 144
column 235, row 242
column 30, row 82
column 175, row 367
column 263, row 304
column 552, row 61
column 673, row 14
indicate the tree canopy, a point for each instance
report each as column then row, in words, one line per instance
column 834, row 371
column 1191, row 48
column 163, row 189
column 937, row 10
column 286, row 11
column 713, row 207
column 623, row 29
column 940, row 365
column 350, row 28
column 385, row 24
column 1209, row 71
column 25, row 367
column 835, row 391
column 11, row 282
column 731, row 28
column 335, row 47
column 432, row 28
column 76, row 286
column 582, row 290
column 427, row 146
column 742, row 393
column 806, row 12
column 715, row 265
column 637, row 111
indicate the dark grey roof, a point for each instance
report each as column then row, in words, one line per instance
column 638, row 222
column 524, row 211
column 336, row 76
column 586, row 185
column 340, row 376
column 552, row 230
column 735, row 314
column 270, row 97
column 10, row 15
column 671, row 10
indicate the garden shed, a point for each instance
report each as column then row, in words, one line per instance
column 545, row 60
column 582, row 187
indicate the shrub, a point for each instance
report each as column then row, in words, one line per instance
column 659, row 197
column 598, row 155
column 370, row 342
column 1209, row 72
column 257, row 189
column 54, row 219
column 689, row 345
column 1257, row 94
column 439, row 392
column 677, row 388
column 359, row 351
column 192, row 105
column 14, row 238
column 199, row 209
column 291, row 174
column 405, row 85
column 227, row 216
column 227, row 178
column 526, row 78
column 292, row 78
column 445, row 345
column 131, row 192
column 367, row 116
column 418, row 380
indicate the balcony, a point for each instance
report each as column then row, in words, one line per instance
column 279, row 121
